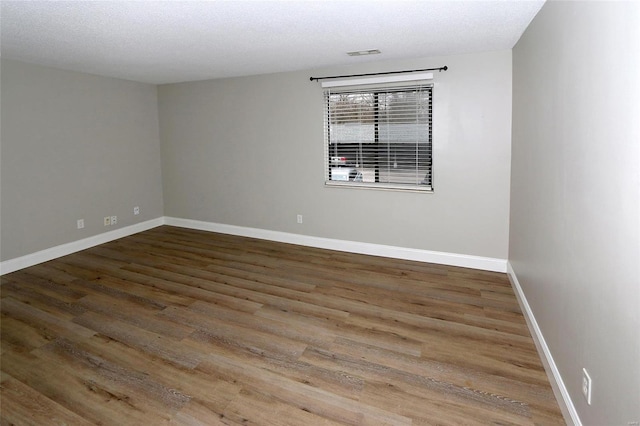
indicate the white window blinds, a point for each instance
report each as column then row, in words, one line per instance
column 379, row 137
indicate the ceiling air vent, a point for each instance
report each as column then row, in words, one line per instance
column 364, row 52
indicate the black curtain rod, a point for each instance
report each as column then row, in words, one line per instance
column 378, row 73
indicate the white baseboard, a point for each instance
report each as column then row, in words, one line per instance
column 442, row 258
column 559, row 389
column 17, row 263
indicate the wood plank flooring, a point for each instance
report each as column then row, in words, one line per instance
column 182, row 327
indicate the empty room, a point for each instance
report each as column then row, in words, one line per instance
column 320, row 213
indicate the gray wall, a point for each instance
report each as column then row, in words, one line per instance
column 74, row 146
column 575, row 194
column 249, row 152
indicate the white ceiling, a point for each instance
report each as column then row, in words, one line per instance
column 174, row 41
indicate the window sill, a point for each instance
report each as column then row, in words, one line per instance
column 380, row 186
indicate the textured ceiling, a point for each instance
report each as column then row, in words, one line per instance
column 173, row 41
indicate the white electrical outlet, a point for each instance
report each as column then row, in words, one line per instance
column 107, row 220
column 136, row 210
column 586, row 385
column 114, row 220
column 80, row 223
column 299, row 218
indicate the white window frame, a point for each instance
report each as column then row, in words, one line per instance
column 337, row 173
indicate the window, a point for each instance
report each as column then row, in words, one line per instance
column 380, row 137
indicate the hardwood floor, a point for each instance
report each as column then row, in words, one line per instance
column 183, row 327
